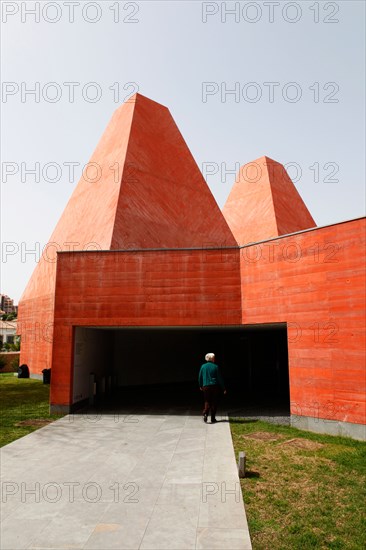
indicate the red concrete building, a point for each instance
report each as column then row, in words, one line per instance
column 144, row 274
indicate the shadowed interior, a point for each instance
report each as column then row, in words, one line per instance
column 157, row 368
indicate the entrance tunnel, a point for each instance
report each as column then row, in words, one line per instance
column 156, row 369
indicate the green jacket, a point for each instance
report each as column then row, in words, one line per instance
column 210, row 376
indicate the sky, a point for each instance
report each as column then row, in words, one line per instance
column 241, row 79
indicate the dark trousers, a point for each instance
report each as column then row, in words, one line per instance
column 210, row 395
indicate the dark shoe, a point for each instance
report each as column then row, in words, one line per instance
column 213, row 420
column 205, row 417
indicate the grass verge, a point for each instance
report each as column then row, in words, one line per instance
column 301, row 490
column 24, row 407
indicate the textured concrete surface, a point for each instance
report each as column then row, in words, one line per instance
column 319, row 290
column 264, row 203
column 151, row 481
column 332, row 427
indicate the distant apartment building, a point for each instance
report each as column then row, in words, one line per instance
column 7, row 304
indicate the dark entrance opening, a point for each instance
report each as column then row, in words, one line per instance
column 157, row 368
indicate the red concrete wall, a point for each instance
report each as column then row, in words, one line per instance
column 315, row 281
column 145, row 288
column 35, row 325
column 142, row 189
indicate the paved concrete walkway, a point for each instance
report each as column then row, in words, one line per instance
column 151, row 481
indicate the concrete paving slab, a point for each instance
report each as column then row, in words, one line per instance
column 144, row 481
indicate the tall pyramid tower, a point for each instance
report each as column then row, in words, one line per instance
column 264, row 203
column 142, row 189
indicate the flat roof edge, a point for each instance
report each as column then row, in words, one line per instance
column 212, row 247
column 302, row 231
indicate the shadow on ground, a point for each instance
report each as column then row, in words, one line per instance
column 186, row 398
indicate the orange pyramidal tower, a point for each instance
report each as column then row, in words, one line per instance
column 264, row 203
column 141, row 189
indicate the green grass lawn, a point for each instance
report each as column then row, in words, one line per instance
column 24, row 407
column 301, row 490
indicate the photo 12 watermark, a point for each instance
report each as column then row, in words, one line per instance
column 68, row 491
column 319, row 332
column 270, row 12
column 320, row 411
column 67, row 92
column 220, row 492
column 73, row 12
column 291, row 251
column 72, row 171
column 270, row 92
column 252, row 172
column 68, row 172
column 274, row 251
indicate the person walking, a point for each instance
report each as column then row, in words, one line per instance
column 210, row 381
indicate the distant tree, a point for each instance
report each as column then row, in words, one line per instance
column 12, row 346
column 9, row 317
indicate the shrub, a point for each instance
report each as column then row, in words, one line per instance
column 15, row 364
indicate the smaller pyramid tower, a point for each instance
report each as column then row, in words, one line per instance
column 264, row 203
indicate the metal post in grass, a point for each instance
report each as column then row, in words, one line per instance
column 241, row 464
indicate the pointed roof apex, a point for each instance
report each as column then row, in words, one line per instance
column 264, row 158
column 139, row 99
column 264, row 203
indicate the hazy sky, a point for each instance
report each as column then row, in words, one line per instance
column 295, row 71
